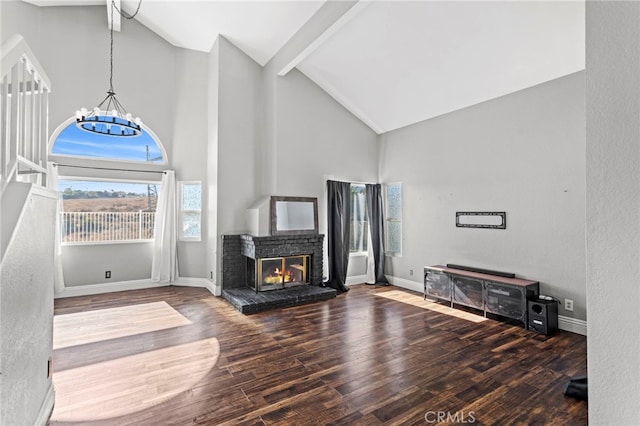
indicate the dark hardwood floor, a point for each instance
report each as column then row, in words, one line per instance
column 374, row 355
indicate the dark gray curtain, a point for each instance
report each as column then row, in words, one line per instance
column 338, row 212
column 376, row 226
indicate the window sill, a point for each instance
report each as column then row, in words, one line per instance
column 358, row 254
column 389, row 254
column 102, row 243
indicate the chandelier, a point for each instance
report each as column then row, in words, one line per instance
column 109, row 117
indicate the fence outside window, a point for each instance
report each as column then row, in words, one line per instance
column 106, row 226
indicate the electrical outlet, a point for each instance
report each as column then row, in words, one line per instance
column 568, row 304
column 410, row 272
column 107, row 274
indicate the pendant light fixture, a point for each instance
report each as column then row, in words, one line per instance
column 109, row 117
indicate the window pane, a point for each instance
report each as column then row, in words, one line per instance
column 191, row 197
column 359, row 228
column 191, row 224
column 79, row 143
column 394, row 219
column 107, row 211
column 394, row 237
column 394, row 201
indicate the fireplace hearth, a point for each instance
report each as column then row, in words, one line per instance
column 248, row 260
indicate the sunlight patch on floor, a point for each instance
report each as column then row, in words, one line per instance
column 133, row 383
column 419, row 301
column 104, row 324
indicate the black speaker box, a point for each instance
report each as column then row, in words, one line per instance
column 543, row 316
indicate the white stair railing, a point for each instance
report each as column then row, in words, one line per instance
column 24, row 114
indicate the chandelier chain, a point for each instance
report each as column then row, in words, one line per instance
column 111, row 49
column 110, row 118
column 124, row 14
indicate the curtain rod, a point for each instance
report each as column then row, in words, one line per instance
column 354, row 182
column 109, row 168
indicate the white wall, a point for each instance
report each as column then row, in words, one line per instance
column 613, row 209
column 26, row 316
column 523, row 154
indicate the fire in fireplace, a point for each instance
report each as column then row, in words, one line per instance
column 281, row 272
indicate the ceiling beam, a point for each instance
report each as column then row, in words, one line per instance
column 325, row 35
column 116, row 14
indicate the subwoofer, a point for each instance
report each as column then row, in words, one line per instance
column 543, row 316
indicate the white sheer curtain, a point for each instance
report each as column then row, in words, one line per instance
column 164, row 268
column 58, row 276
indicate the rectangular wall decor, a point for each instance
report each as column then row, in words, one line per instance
column 491, row 220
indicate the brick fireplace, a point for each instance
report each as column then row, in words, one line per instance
column 242, row 255
column 298, row 256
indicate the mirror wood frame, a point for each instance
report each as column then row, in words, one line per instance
column 274, row 216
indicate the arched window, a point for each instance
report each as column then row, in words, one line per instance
column 118, row 206
column 70, row 141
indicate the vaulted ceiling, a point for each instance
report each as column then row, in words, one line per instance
column 391, row 63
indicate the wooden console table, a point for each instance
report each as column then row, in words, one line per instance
column 506, row 297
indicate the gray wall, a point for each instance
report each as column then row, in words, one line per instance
column 212, row 167
column 189, row 157
column 523, row 154
column 165, row 85
column 86, row 264
column 72, row 44
column 239, row 94
column 26, row 315
column 613, row 208
column 317, row 139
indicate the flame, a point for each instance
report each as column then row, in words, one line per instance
column 279, row 276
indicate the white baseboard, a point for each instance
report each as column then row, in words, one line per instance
column 564, row 323
column 408, row 284
column 91, row 289
column 190, row 282
column 47, row 406
column 213, row 288
column 198, row 282
column 573, row 325
column 356, row 279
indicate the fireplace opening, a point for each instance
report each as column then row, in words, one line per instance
column 281, row 272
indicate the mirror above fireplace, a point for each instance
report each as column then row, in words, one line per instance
column 294, row 215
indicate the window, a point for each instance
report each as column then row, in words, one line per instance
column 393, row 219
column 359, row 232
column 99, row 210
column 74, row 142
column 190, row 205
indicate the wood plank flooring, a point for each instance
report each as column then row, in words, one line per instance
column 372, row 356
